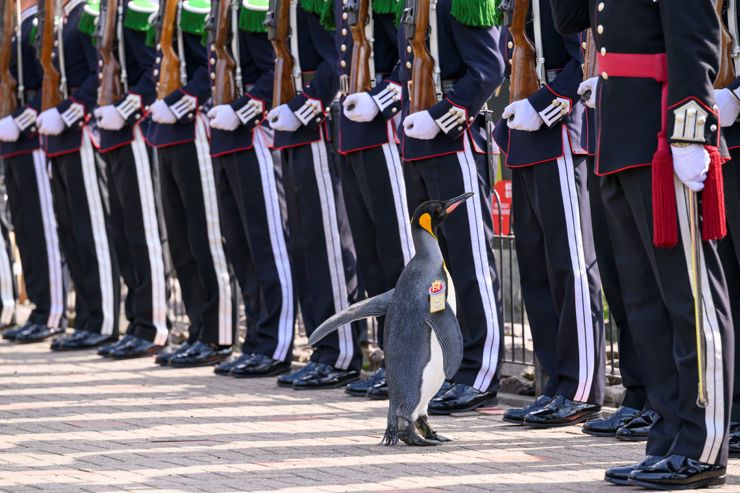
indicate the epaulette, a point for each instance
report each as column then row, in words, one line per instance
column 89, row 17
column 324, row 9
column 477, row 13
column 193, row 16
column 252, row 16
column 394, row 7
column 138, row 15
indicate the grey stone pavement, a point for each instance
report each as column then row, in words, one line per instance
column 76, row 422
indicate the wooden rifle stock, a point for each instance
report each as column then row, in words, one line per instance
column 51, row 94
column 8, row 84
column 224, row 88
column 422, row 94
column 359, row 78
column 726, row 73
column 169, row 68
column 278, row 23
column 109, row 88
column 523, row 78
column 590, row 64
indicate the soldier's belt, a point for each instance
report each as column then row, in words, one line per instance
column 632, row 65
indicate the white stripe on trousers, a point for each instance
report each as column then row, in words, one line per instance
column 333, row 248
column 151, row 235
column 277, row 241
column 100, row 234
column 6, row 284
column 398, row 186
column 51, row 238
column 215, row 241
column 714, row 417
column 582, row 297
column 479, row 247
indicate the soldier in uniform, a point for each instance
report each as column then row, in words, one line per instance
column 371, row 170
column 249, row 202
column 78, row 201
column 443, row 150
column 134, row 218
column 539, row 136
column 321, row 249
column 656, row 107
column 189, row 199
column 30, row 200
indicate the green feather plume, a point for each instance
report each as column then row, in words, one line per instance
column 477, row 13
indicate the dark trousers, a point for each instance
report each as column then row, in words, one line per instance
column 729, row 254
column 35, row 226
column 191, row 215
column 465, row 240
column 86, row 239
column 375, row 194
column 135, row 226
column 250, row 213
column 658, row 298
column 560, row 280
column 321, row 250
column 629, row 366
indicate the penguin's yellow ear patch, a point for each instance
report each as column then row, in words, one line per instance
column 425, row 221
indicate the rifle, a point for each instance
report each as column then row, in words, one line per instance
column 422, row 92
column 358, row 16
column 523, row 79
column 51, row 93
column 590, row 64
column 169, row 68
column 8, row 84
column 109, row 88
column 278, row 30
column 224, row 87
column 726, row 73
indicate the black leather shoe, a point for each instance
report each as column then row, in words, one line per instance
column 164, row 357
column 676, row 472
column 607, row 426
column 561, row 412
column 10, row 334
column 461, row 398
column 36, row 333
column 379, row 391
column 446, row 385
column 325, row 377
column 360, row 388
column 105, row 350
column 80, row 339
column 260, row 366
column 201, row 354
column 735, row 444
column 638, row 428
column 136, row 347
column 287, row 380
column 516, row 415
column 621, row 474
column 225, row 367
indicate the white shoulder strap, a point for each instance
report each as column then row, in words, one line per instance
column 538, row 41
column 732, row 26
column 297, row 74
column 434, row 48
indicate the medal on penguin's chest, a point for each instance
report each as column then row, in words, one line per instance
column 437, row 299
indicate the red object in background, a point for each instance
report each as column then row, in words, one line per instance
column 502, row 208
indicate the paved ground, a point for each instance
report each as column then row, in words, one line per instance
column 74, row 422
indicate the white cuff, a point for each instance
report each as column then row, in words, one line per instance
column 73, row 114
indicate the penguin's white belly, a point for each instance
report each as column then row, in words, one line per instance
column 432, row 378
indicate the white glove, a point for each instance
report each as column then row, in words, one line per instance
column 586, row 86
column 109, row 118
column 360, row 107
column 50, row 122
column 691, row 163
column 223, row 117
column 9, row 131
column 282, row 118
column 421, row 125
column 525, row 116
column 161, row 113
column 729, row 106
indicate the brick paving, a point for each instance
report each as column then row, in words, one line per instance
column 76, row 422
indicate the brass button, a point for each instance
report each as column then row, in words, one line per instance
column 603, row 51
column 584, row 45
column 600, row 29
column 408, row 65
column 713, row 128
column 344, row 16
column 408, row 49
column 343, row 47
column 600, row 6
column 510, row 44
column 344, row 31
column 604, row 75
column 342, row 64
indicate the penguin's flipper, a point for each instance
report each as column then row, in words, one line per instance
column 371, row 307
column 445, row 326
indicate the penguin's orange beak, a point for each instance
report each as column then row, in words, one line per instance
column 453, row 204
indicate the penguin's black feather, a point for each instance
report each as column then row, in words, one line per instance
column 371, row 307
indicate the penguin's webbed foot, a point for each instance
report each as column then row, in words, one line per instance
column 390, row 438
column 422, row 424
column 407, row 434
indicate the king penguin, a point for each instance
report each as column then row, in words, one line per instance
column 423, row 343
